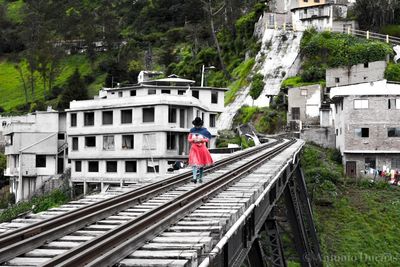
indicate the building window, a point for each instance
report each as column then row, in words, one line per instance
column 148, row 114
column 130, row 166
column 90, row 141
column 75, row 143
column 393, row 103
column 393, row 132
column 337, row 80
column 172, row 115
column 151, row 91
column 119, row 94
column 111, row 166
column 181, row 92
column 171, row 141
column 166, row 91
column 88, row 118
column 133, row 92
column 360, row 103
column 340, row 131
column 40, row 161
column 93, row 166
column 108, row 142
column 303, row 92
column 366, row 65
column 126, row 116
column 149, row 141
column 362, row 132
column 370, row 163
column 73, row 119
column 395, row 163
column 107, row 117
column 295, row 113
column 78, row 166
column 153, row 166
column 337, row 132
column 214, row 97
column 316, row 1
column 61, row 136
column 213, row 118
column 127, row 142
column 195, row 94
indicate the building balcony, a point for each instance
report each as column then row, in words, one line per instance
column 11, row 172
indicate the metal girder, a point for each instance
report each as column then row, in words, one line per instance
column 256, row 255
column 277, row 255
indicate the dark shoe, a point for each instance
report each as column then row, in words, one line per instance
column 200, row 181
column 194, row 181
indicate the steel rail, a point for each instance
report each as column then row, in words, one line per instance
column 120, row 242
column 27, row 238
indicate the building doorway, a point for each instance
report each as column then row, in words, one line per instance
column 351, row 168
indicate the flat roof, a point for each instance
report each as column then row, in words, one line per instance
column 147, row 100
column 377, row 88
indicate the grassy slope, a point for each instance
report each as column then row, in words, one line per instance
column 362, row 222
column 362, row 219
column 11, row 90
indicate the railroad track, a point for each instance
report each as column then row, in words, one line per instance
column 125, row 222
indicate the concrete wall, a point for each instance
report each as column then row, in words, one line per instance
column 324, row 137
column 360, row 73
column 308, row 99
column 377, row 117
column 382, row 160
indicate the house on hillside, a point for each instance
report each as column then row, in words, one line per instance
column 135, row 133
column 367, row 126
column 35, row 149
column 321, row 15
column 360, row 73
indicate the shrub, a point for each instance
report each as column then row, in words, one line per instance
column 392, row 72
column 313, row 74
column 257, row 86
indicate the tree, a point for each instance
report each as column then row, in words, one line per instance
column 257, row 86
column 75, row 90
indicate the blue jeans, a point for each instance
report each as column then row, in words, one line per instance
column 197, row 173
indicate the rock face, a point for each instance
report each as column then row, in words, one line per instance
column 275, row 60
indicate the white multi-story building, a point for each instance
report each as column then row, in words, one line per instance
column 35, row 147
column 133, row 133
column 321, row 15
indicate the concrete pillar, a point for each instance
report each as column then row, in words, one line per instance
column 85, row 188
column 19, row 194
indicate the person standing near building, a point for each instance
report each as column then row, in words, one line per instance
column 199, row 156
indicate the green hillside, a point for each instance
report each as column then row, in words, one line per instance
column 11, row 85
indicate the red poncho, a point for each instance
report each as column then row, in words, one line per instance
column 199, row 155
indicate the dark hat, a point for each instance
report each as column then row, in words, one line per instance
column 197, row 122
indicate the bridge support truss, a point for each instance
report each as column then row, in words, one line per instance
column 245, row 242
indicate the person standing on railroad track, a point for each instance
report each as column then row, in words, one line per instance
column 199, row 156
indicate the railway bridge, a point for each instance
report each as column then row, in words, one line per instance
column 174, row 222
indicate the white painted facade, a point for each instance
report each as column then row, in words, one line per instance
column 33, row 150
column 321, row 15
column 156, row 115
